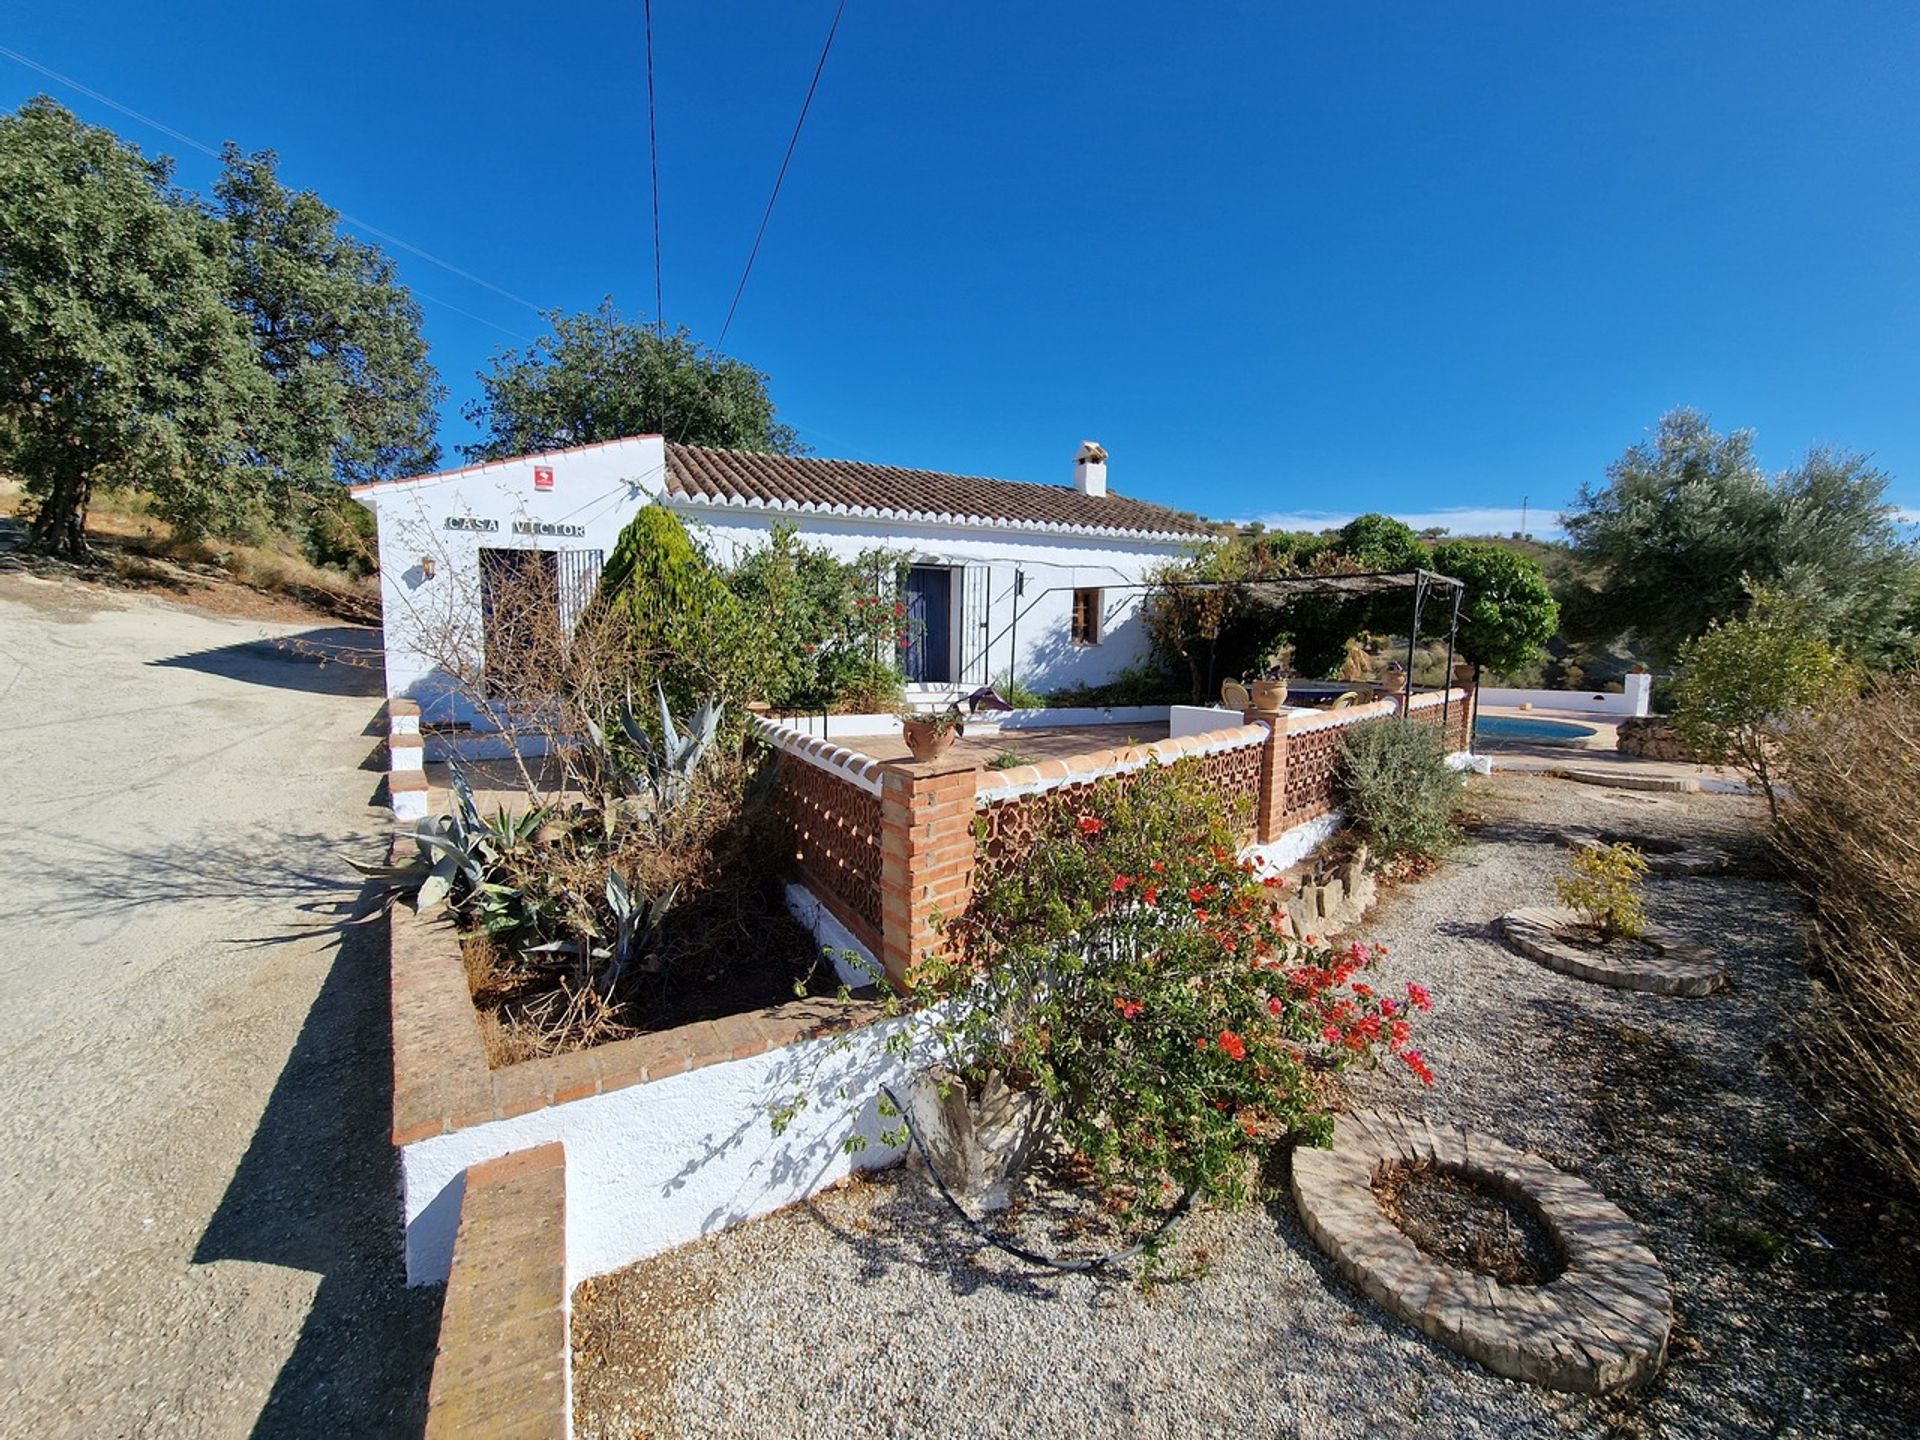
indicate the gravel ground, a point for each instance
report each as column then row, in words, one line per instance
column 201, row 1229
column 872, row 1311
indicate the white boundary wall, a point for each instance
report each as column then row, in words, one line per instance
column 1636, row 699
column 659, row 1164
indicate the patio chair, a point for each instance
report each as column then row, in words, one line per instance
column 1234, row 696
column 1345, row 700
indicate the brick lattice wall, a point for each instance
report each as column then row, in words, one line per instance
column 832, row 829
column 1013, row 824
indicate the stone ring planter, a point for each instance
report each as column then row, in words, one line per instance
column 1660, row 964
column 1601, row 1325
column 1663, row 857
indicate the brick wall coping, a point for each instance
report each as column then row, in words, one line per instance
column 850, row 765
column 503, row 1365
column 1334, row 719
column 1425, row 699
column 441, row 1080
column 994, row 786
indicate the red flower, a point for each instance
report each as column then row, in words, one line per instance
column 1274, row 1006
column 1196, row 894
column 1120, row 882
column 1127, row 1008
column 1417, row 1063
column 900, row 607
column 1151, row 895
column 1158, row 866
column 1331, row 1034
column 1091, row 824
column 1233, row 1045
column 1199, row 1042
column 1421, row 999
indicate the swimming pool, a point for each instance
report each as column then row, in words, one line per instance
column 1498, row 730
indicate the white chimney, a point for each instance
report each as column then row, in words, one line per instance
column 1090, row 468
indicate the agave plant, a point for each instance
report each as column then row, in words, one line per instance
column 637, row 919
column 666, row 768
column 460, row 843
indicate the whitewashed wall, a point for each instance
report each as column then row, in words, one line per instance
column 1037, row 647
column 1635, row 699
column 653, row 1166
column 449, row 519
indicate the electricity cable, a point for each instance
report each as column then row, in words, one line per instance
column 780, row 179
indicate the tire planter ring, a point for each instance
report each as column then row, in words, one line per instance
column 1600, row 1326
column 1675, row 966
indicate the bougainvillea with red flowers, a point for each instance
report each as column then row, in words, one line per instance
column 1140, row 975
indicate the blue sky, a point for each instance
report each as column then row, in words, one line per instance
column 1280, row 259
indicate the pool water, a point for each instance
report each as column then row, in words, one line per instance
column 1498, row 730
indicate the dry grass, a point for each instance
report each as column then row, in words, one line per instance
column 1847, row 831
column 140, row 549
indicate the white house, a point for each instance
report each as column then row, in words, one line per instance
column 1042, row 582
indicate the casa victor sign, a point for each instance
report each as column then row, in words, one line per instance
column 520, row 527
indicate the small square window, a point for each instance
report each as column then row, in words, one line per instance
column 1086, row 617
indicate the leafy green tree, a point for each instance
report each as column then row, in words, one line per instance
column 686, row 628
column 1746, row 679
column 1508, row 614
column 338, row 336
column 120, row 362
column 828, row 627
column 1688, row 519
column 600, row 377
column 1322, row 624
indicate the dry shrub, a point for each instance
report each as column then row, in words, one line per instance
column 1853, row 768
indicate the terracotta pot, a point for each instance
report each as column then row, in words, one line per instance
column 927, row 739
column 1394, row 682
column 1269, row 694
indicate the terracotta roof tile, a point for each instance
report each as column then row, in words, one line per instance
column 784, row 482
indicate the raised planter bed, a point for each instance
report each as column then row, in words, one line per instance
column 668, row 1134
column 1658, row 962
column 1600, row 1325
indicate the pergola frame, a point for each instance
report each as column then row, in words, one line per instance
column 1422, row 584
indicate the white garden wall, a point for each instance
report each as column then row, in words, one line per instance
column 1634, row 700
column 655, row 1165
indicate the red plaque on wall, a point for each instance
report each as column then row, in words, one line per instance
column 543, row 477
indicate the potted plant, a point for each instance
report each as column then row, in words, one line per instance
column 1270, row 690
column 1138, row 1008
column 929, row 733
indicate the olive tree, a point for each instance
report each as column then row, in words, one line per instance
column 1688, row 519
column 1744, row 681
column 120, row 361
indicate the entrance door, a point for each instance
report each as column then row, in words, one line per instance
column 519, row 612
column 929, row 654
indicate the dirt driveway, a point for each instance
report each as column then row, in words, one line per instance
column 197, row 1218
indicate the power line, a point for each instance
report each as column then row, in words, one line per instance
column 779, row 179
column 206, row 149
column 653, row 148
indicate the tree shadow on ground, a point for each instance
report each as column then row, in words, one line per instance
column 327, row 660
column 317, row 1191
column 917, row 1228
